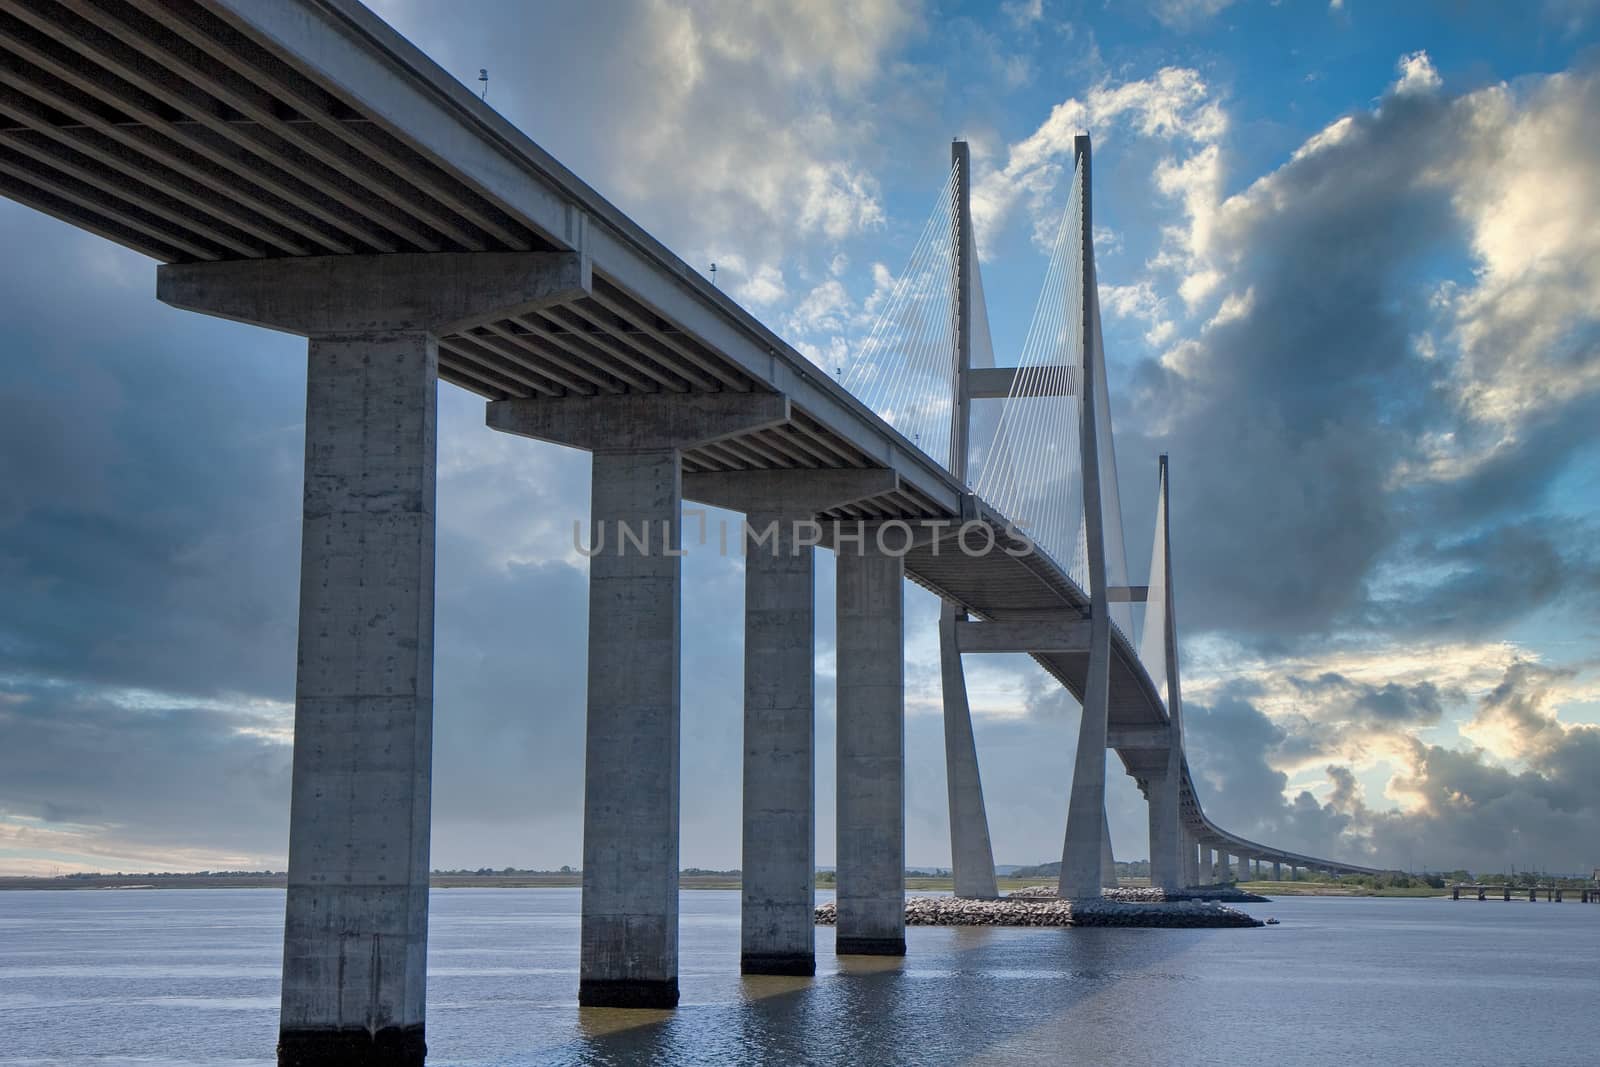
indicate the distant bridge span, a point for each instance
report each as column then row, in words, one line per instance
column 297, row 164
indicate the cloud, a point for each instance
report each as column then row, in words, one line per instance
column 1454, row 806
column 1174, row 104
column 1186, row 14
column 1309, row 377
column 1023, row 13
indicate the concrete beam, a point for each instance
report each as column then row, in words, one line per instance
column 791, row 493
column 997, row 383
column 438, row 292
column 1070, row 633
column 638, row 422
column 1127, row 594
column 1152, row 737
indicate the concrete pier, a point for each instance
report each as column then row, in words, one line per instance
column 871, row 752
column 1243, row 868
column 630, row 826
column 971, row 854
column 356, row 917
column 777, row 934
column 356, row 921
column 1166, row 836
column 778, row 895
column 629, row 940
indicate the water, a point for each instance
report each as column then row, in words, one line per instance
column 190, row 977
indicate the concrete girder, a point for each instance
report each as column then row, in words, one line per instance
column 638, row 422
column 1069, row 632
column 792, row 494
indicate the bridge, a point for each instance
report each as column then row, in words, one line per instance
column 298, row 165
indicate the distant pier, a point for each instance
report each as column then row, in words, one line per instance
column 1553, row 893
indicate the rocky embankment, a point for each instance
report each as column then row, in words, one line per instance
column 1225, row 894
column 1041, row 910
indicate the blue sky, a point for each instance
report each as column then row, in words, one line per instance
column 1351, row 277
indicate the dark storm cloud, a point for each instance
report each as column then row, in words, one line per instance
column 1462, row 809
column 1288, row 422
column 150, row 474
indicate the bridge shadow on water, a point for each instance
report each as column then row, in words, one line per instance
column 961, row 995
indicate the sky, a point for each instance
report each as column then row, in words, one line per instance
column 1349, row 262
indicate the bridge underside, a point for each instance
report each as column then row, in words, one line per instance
column 207, row 133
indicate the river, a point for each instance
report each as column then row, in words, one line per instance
column 169, row 977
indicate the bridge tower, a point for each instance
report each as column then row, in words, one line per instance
column 971, row 853
column 1167, row 866
column 1085, row 843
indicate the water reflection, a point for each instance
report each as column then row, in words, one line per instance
column 174, row 977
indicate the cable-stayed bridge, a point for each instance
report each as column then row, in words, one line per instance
column 298, row 165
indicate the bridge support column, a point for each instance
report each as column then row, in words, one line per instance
column 1165, row 834
column 1277, row 870
column 1243, row 869
column 630, row 811
column 778, row 895
column 356, row 922
column 356, row 910
column 971, row 854
column 629, row 939
column 1191, row 861
column 871, row 752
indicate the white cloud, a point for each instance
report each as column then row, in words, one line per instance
column 1183, row 14
column 1416, row 74
column 1171, row 105
column 1023, row 13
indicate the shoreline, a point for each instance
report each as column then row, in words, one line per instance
column 574, row 880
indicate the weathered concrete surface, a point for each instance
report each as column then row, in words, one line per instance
column 971, row 853
column 440, row 292
column 356, row 922
column 871, row 752
column 777, row 935
column 630, row 814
